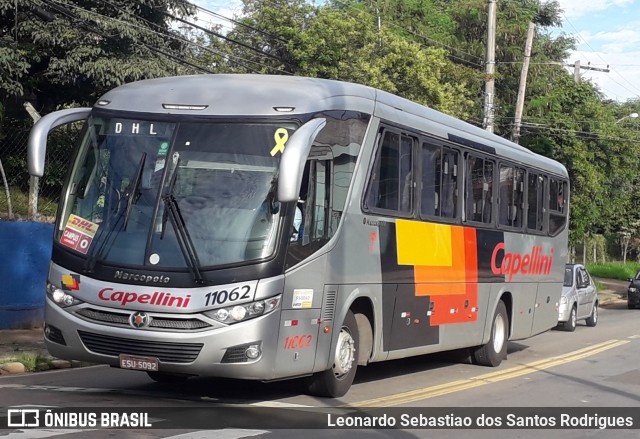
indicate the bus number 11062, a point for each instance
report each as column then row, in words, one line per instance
column 222, row 297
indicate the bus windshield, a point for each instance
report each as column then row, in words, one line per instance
column 174, row 195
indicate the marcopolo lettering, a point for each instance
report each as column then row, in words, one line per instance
column 534, row 262
column 146, row 278
column 159, row 298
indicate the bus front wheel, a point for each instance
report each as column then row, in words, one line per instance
column 492, row 353
column 336, row 381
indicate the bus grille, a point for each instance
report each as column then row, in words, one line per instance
column 165, row 352
column 329, row 306
column 120, row 319
column 235, row 355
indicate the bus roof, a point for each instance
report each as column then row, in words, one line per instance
column 271, row 95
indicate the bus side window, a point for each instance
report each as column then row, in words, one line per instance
column 449, row 197
column 431, row 174
column 479, row 189
column 505, row 200
column 535, row 211
column 391, row 184
column 439, row 189
column 557, row 205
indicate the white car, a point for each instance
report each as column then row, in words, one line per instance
column 579, row 299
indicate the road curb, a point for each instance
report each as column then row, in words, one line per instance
column 11, row 365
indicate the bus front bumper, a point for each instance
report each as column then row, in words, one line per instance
column 218, row 352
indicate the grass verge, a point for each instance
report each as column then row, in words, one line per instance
column 614, row 270
column 31, row 361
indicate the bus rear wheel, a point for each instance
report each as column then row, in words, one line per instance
column 492, row 353
column 336, row 382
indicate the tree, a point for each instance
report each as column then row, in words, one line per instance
column 63, row 51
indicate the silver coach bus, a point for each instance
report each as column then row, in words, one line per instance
column 270, row 227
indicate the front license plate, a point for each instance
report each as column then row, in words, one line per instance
column 139, row 363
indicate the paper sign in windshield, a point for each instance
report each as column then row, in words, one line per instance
column 78, row 233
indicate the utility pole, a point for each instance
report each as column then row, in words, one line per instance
column 34, row 182
column 515, row 135
column 490, row 68
column 576, row 69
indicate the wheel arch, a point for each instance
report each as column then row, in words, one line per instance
column 507, row 299
column 362, row 308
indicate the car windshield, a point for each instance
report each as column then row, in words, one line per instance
column 173, row 194
column 568, row 276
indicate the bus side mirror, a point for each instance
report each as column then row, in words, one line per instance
column 294, row 158
column 38, row 135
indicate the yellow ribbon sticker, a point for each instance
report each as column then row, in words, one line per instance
column 281, row 136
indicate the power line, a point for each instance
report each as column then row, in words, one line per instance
column 231, row 40
column 93, row 27
column 239, row 23
column 155, row 49
column 598, row 55
column 188, row 41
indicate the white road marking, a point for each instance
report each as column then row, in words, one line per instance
column 40, row 433
column 227, row 433
column 278, row 404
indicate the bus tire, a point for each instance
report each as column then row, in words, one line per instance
column 492, row 353
column 162, row 377
column 336, row 382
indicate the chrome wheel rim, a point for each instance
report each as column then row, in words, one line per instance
column 499, row 333
column 345, row 354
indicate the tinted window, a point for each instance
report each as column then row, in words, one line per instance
column 391, row 186
column 511, row 197
column 568, row 277
column 479, row 189
column 439, row 190
column 535, row 197
column 557, row 205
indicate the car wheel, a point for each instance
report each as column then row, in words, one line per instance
column 592, row 320
column 492, row 353
column 570, row 325
column 630, row 306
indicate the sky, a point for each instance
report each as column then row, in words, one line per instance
column 607, row 34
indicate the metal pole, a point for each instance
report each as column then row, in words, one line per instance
column 515, row 136
column 489, row 90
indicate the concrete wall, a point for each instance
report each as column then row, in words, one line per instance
column 25, row 250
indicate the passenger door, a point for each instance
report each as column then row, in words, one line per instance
column 317, row 222
column 585, row 292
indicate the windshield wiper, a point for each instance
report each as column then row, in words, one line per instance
column 172, row 210
column 133, row 193
column 131, row 197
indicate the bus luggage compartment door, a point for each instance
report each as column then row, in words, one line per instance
column 410, row 325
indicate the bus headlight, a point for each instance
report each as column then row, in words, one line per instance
column 245, row 311
column 60, row 297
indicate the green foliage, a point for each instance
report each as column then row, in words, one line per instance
column 58, row 52
column 62, row 50
column 614, row 270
